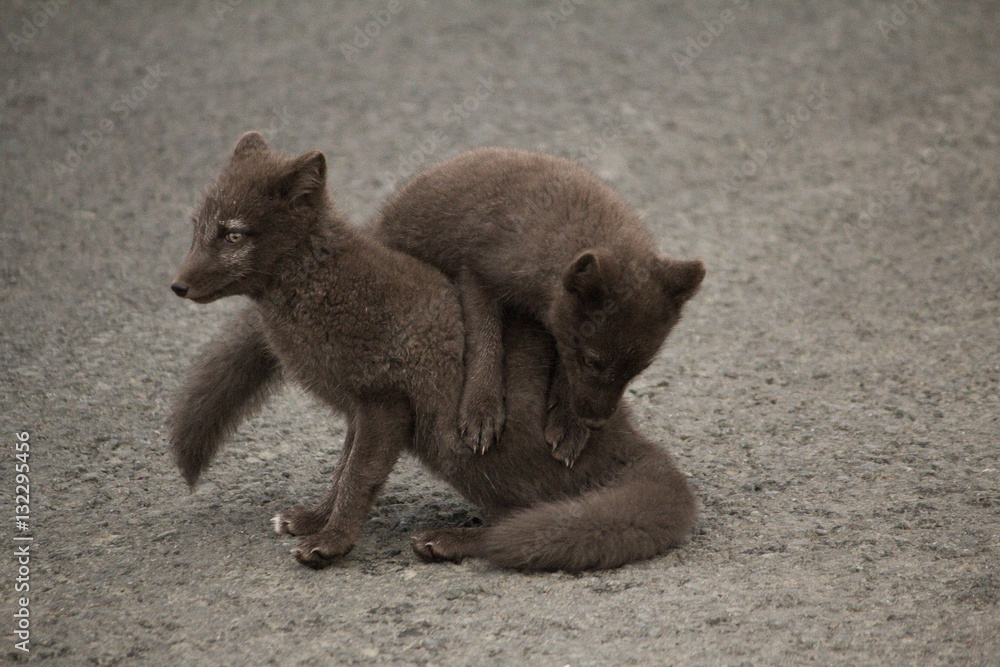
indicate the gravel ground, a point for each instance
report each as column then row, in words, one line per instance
column 833, row 391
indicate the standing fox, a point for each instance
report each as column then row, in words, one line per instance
column 542, row 236
column 378, row 335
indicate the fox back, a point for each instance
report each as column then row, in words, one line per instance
column 550, row 239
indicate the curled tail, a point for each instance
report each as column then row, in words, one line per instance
column 646, row 510
column 228, row 382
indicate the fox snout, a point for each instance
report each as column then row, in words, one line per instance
column 200, row 278
column 593, row 413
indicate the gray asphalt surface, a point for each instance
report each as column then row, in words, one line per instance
column 833, row 391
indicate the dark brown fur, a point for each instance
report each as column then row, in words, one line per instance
column 622, row 501
column 379, row 336
column 540, row 235
column 372, row 332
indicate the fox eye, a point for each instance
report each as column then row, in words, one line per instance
column 233, row 237
column 591, row 361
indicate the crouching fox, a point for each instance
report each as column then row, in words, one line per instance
column 378, row 336
column 540, row 235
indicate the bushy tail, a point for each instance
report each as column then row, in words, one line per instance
column 648, row 509
column 228, row 382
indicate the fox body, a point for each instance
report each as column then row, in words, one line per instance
column 379, row 336
column 372, row 332
column 540, row 235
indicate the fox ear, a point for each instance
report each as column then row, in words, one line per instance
column 306, row 176
column 583, row 277
column 680, row 279
column 251, row 142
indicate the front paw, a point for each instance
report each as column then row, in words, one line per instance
column 481, row 422
column 318, row 551
column 566, row 434
column 300, row 521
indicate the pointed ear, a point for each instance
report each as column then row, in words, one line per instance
column 583, row 277
column 305, row 176
column 251, row 142
column 680, row 279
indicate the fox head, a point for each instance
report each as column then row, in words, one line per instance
column 256, row 212
column 609, row 320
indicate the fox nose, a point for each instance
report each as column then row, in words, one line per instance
column 179, row 288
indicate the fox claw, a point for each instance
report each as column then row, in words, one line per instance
column 481, row 428
column 567, row 436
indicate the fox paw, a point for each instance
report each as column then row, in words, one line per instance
column 481, row 422
column 300, row 521
column 318, row 551
column 443, row 544
column 566, row 434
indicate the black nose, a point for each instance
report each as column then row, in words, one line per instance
column 180, row 289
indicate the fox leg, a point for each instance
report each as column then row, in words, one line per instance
column 301, row 520
column 564, row 431
column 481, row 412
column 229, row 381
column 383, row 430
